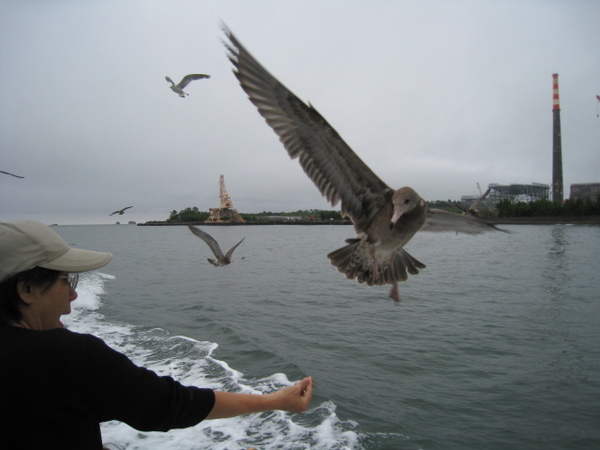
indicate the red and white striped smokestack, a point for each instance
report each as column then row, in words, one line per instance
column 556, row 101
column 557, row 169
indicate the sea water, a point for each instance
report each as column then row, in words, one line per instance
column 496, row 344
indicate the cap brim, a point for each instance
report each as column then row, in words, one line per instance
column 79, row 260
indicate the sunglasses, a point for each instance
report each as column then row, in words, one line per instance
column 71, row 279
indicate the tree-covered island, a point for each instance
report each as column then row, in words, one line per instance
column 540, row 209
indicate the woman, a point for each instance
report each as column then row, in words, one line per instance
column 56, row 386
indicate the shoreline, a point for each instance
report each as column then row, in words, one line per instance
column 266, row 222
column 554, row 220
column 551, row 220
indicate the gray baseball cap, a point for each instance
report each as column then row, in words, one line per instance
column 26, row 244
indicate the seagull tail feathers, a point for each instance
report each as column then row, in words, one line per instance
column 355, row 260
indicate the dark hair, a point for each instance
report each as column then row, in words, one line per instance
column 11, row 303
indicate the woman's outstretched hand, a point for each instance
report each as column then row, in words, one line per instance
column 295, row 398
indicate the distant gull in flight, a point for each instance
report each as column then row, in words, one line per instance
column 12, row 174
column 475, row 204
column 178, row 88
column 222, row 260
column 473, row 208
column 120, row 211
column 384, row 219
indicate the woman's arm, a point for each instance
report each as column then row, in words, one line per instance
column 295, row 398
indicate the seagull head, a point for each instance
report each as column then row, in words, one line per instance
column 404, row 200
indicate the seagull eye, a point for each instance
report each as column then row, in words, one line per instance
column 407, row 201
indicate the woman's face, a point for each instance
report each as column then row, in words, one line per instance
column 45, row 306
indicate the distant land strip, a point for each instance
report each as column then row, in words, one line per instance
column 546, row 220
column 550, row 220
column 261, row 222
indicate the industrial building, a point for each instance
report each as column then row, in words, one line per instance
column 527, row 193
column 519, row 192
column 589, row 191
column 514, row 192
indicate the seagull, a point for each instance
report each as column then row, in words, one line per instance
column 12, row 174
column 120, row 211
column 178, row 88
column 384, row 219
column 475, row 204
column 222, row 260
column 472, row 210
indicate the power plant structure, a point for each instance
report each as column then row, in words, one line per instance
column 225, row 213
column 495, row 193
column 557, row 168
column 527, row 193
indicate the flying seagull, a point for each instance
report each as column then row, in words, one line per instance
column 120, row 211
column 222, row 260
column 384, row 219
column 178, row 88
column 473, row 208
column 12, row 174
column 475, row 204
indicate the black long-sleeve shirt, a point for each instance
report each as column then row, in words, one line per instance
column 56, row 387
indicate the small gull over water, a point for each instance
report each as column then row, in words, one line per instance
column 222, row 259
column 120, row 211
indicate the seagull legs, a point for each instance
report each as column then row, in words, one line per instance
column 394, row 295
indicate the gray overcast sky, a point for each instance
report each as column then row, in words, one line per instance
column 437, row 95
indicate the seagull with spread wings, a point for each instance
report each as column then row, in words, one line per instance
column 384, row 219
column 120, row 211
column 178, row 88
column 222, row 259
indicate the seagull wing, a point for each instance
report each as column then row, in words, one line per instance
column 476, row 203
column 188, row 78
column 12, row 174
column 170, row 81
column 438, row 220
column 338, row 173
column 230, row 252
column 214, row 246
column 127, row 207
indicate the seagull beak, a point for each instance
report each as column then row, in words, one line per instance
column 395, row 218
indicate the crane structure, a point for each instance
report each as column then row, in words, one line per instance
column 225, row 213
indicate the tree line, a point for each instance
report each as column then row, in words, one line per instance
column 505, row 208
column 547, row 208
column 193, row 214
